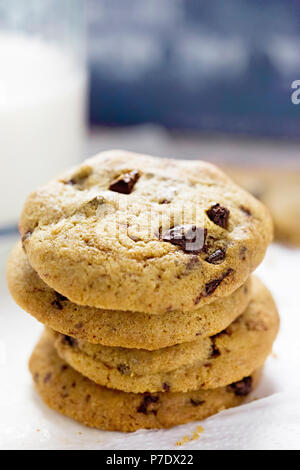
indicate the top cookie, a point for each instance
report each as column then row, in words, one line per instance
column 132, row 232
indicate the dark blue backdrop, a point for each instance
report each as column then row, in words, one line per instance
column 192, row 64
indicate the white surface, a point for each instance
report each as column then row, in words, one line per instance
column 271, row 421
column 42, row 117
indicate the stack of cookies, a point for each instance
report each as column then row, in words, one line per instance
column 140, row 269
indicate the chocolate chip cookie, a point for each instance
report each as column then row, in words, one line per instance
column 131, row 232
column 115, row 327
column 68, row 392
column 206, row 363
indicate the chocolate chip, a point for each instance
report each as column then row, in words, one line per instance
column 215, row 352
column 47, row 377
column 246, row 210
column 26, row 236
column 124, row 369
column 164, row 201
column 189, row 238
column 211, row 286
column 95, row 202
column 166, row 387
column 124, row 183
column 243, row 387
column 73, row 384
column 197, row 402
column 219, row 215
column 60, row 297
column 243, row 251
column 145, row 404
column 256, row 325
column 57, row 302
column 64, row 367
column 216, row 257
column 69, row 340
column 192, row 262
column 79, row 177
column 134, row 238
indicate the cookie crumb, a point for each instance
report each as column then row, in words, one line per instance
column 199, row 429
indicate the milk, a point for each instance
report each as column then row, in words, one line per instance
column 42, row 118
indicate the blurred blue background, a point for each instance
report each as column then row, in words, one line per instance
column 224, row 66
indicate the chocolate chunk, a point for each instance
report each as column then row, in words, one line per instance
column 166, row 387
column 243, row 251
column 211, row 286
column 189, row 238
column 124, row 369
column 95, row 202
column 124, row 184
column 69, row 341
column 246, row 210
column 26, row 236
column 145, row 404
column 64, row 367
column 215, row 352
column 243, row 387
column 47, row 377
column 197, row 402
column 256, row 325
column 134, row 238
column 57, row 302
column 219, row 215
column 79, row 177
column 164, row 201
column 216, row 257
column 193, row 261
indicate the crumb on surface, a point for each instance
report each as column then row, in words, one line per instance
column 199, row 429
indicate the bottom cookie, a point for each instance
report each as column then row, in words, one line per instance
column 72, row 394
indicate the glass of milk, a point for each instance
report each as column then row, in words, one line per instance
column 42, row 96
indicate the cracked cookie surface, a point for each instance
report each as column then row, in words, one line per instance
column 206, row 363
column 133, row 232
column 68, row 392
column 113, row 327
